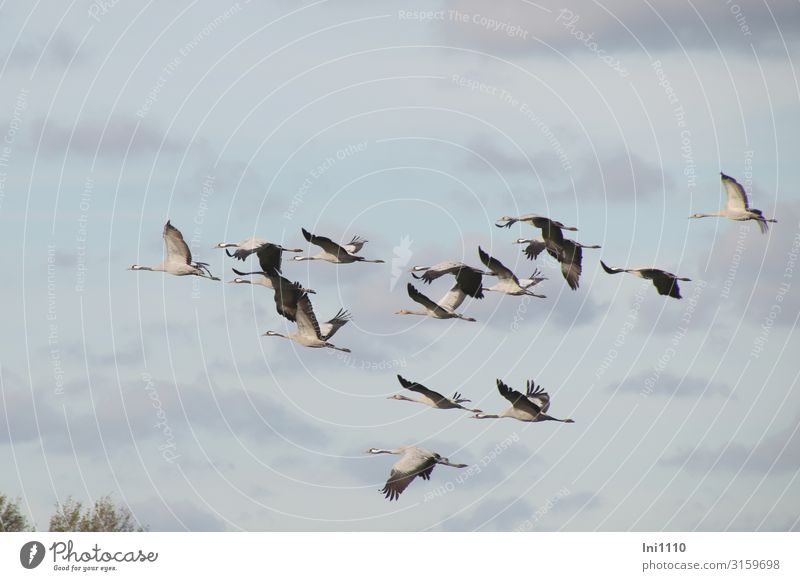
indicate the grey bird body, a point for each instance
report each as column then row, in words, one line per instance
column 413, row 462
column 531, row 406
column 737, row 206
column 178, row 260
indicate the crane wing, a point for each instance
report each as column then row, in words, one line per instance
column 420, row 298
column 419, row 388
column 551, row 230
column 246, row 247
column 177, row 249
column 611, row 269
column 537, row 396
column 470, row 280
column 517, row 399
column 440, row 269
column 306, row 320
column 338, row 321
column 667, row 285
column 287, row 295
column 737, row 197
column 497, row 267
column 355, row 245
column 511, row 395
column 570, row 256
column 452, row 299
column 403, row 473
column 326, row 244
column 269, row 257
column 534, row 249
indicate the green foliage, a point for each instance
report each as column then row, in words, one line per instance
column 104, row 516
column 11, row 518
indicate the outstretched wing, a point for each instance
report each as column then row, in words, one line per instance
column 355, row 245
column 737, row 197
column 470, row 281
column 667, row 285
column 534, row 249
column 177, row 249
column 420, row 389
column 551, row 230
column 306, row 320
column 497, row 267
column 246, row 247
column 440, row 269
column 570, row 256
column 420, row 298
column 287, row 295
column 453, row 299
column 269, row 257
column 403, row 473
column 537, row 396
column 326, row 244
column 611, row 269
column 339, row 320
column 511, row 395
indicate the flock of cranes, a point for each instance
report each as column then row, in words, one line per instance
column 292, row 301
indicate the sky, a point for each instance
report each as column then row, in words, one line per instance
column 415, row 126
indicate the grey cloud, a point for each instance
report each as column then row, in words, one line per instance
column 622, row 177
column 572, row 26
column 119, row 137
column 491, row 514
column 178, row 515
column 778, row 452
column 671, row 385
column 57, row 52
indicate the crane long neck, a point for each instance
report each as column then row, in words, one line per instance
column 408, row 312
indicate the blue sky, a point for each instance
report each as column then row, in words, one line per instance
column 415, row 130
